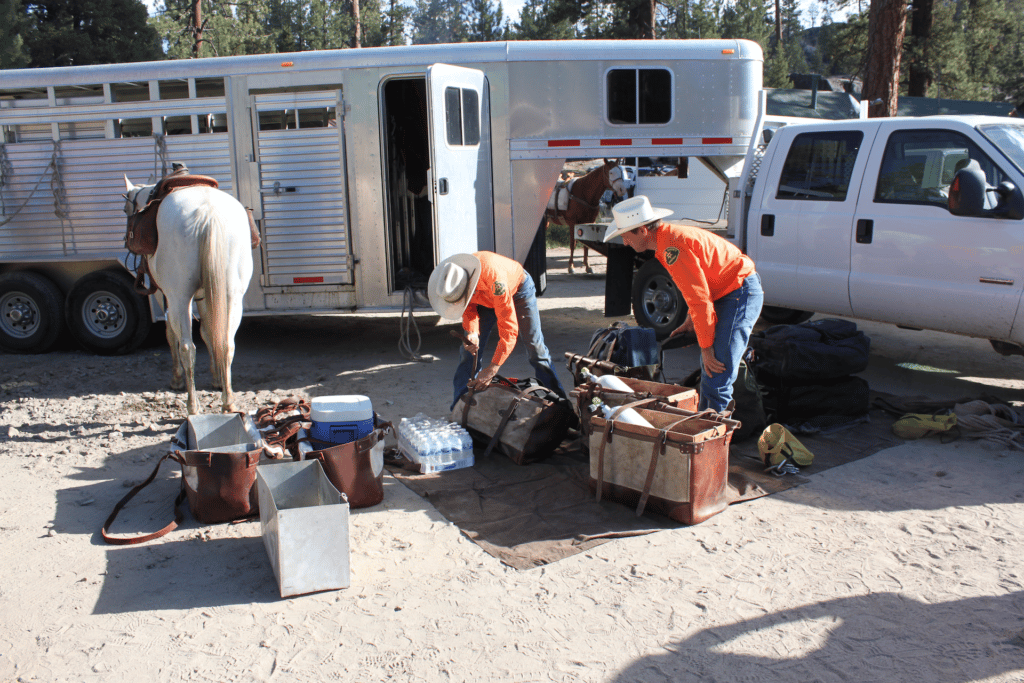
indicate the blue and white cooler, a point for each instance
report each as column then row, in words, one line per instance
column 341, row 419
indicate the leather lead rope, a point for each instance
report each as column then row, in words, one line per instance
column 178, row 515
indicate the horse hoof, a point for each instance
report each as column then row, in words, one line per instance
column 571, row 270
column 590, row 271
column 178, row 385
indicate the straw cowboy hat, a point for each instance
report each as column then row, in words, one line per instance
column 452, row 284
column 631, row 213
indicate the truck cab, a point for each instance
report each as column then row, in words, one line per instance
column 853, row 218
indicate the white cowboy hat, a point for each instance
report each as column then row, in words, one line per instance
column 452, row 284
column 631, row 213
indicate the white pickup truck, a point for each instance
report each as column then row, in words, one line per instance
column 872, row 219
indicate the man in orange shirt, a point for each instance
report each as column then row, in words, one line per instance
column 717, row 281
column 484, row 289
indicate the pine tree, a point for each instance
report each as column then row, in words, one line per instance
column 75, row 32
column 547, row 20
column 486, row 21
column 439, row 21
column 12, row 46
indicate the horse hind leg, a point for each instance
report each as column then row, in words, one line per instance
column 586, row 260
column 216, row 378
column 572, row 247
column 179, row 335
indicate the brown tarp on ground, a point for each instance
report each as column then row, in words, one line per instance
column 528, row 516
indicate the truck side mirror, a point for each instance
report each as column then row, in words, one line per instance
column 967, row 192
column 1011, row 201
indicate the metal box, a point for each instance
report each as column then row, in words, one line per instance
column 304, row 522
column 209, row 432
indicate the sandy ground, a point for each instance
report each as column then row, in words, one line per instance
column 904, row 566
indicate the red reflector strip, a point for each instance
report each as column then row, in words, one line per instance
column 563, row 143
column 617, row 142
column 306, row 280
column 716, row 141
column 666, row 141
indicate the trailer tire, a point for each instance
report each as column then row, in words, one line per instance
column 657, row 302
column 31, row 313
column 777, row 315
column 105, row 314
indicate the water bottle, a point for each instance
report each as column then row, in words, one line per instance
column 629, row 416
column 607, row 381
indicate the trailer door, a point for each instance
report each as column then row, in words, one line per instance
column 460, row 169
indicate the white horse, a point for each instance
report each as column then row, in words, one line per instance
column 203, row 253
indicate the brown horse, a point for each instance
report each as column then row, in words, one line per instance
column 578, row 201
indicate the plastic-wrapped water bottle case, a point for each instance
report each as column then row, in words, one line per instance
column 436, row 445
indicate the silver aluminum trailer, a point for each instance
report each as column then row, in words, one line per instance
column 364, row 168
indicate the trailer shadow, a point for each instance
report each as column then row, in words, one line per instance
column 875, row 637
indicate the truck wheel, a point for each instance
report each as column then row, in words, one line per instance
column 777, row 315
column 106, row 315
column 657, row 302
column 31, row 313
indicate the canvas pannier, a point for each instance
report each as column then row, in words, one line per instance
column 524, row 420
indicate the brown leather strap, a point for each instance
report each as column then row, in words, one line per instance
column 657, row 450
column 178, row 515
column 606, row 437
column 504, row 421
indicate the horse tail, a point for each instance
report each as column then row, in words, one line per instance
column 213, row 262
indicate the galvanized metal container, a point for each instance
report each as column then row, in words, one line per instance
column 304, row 522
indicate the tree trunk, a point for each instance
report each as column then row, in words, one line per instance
column 197, row 26
column 645, row 19
column 778, row 24
column 920, row 76
column 358, row 42
column 887, row 25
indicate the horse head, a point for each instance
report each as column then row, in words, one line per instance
column 136, row 197
column 615, row 178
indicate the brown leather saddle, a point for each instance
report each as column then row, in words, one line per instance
column 141, row 236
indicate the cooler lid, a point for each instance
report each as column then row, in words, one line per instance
column 340, row 408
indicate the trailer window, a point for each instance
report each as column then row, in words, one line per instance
column 639, row 96
column 819, row 166
column 293, row 119
column 462, row 116
column 919, row 165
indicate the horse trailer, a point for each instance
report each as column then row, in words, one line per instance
column 364, row 168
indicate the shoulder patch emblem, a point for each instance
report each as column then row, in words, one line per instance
column 499, row 289
column 671, row 255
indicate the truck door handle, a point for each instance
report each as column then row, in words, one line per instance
column 865, row 228
column 442, row 186
column 767, row 225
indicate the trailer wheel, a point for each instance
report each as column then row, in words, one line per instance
column 31, row 313
column 778, row 315
column 106, row 315
column 657, row 302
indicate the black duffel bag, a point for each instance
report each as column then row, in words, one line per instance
column 795, row 404
column 814, row 351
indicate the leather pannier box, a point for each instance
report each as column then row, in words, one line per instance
column 679, row 468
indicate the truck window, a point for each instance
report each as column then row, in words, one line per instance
column 919, row 166
column 819, row 166
column 639, row 96
column 462, row 116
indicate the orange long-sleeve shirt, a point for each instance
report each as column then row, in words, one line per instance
column 705, row 267
column 500, row 278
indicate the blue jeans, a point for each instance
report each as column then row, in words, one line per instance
column 737, row 312
column 525, row 301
